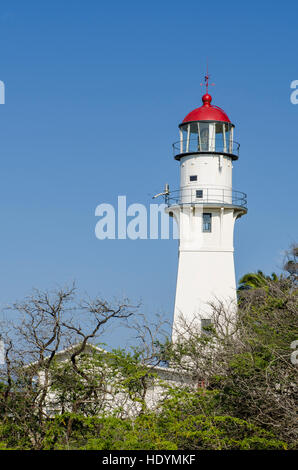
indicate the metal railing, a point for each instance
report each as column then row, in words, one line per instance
column 216, row 196
column 195, row 145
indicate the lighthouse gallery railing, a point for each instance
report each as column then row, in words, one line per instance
column 195, row 145
column 207, row 196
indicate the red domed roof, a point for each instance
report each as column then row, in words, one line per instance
column 207, row 112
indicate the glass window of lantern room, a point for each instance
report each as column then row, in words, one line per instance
column 204, row 136
column 184, row 138
column 193, row 140
column 219, row 137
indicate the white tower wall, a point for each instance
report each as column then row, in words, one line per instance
column 196, row 292
column 206, row 271
column 214, row 178
column 211, row 170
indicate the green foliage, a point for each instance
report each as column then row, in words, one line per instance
column 239, row 390
column 256, row 280
column 172, row 428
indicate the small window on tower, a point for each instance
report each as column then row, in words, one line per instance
column 207, row 222
column 199, row 193
column 205, row 326
column 193, row 178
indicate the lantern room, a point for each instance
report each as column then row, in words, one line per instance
column 206, row 129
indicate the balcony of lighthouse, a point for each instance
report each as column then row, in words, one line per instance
column 208, row 197
column 201, row 137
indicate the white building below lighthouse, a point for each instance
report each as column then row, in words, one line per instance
column 205, row 209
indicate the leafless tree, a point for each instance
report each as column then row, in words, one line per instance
column 44, row 324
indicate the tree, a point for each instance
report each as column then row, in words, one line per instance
column 291, row 263
column 256, row 280
column 182, row 421
column 246, row 358
column 48, row 322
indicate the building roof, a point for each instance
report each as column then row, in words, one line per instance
column 89, row 348
column 207, row 112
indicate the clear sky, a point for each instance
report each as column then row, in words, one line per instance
column 94, row 93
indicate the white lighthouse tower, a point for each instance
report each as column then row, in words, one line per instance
column 205, row 209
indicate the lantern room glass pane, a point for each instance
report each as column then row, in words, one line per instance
column 193, row 142
column 184, row 134
column 219, row 137
column 204, row 137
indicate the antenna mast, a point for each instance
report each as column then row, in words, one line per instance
column 206, row 79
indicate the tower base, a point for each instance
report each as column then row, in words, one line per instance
column 206, row 279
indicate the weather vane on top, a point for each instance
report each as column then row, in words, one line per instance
column 206, row 78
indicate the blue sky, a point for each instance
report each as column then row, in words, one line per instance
column 94, row 93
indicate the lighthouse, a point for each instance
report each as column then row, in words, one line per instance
column 205, row 208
